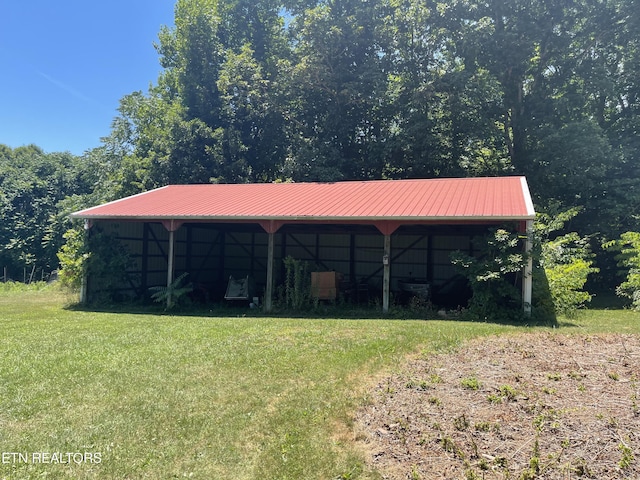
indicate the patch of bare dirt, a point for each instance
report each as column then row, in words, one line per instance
column 530, row 406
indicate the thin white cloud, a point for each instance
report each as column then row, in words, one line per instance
column 70, row 90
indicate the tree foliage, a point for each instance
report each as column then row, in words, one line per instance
column 628, row 248
column 566, row 259
column 172, row 294
column 33, row 189
column 492, row 273
column 342, row 89
column 73, row 256
column 326, row 90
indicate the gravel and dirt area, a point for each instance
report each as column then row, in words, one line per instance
column 543, row 406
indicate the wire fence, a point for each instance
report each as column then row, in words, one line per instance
column 28, row 275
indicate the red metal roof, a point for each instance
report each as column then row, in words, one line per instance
column 453, row 199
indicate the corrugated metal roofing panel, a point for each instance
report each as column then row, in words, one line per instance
column 430, row 199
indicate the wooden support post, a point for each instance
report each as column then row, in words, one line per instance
column 170, row 257
column 188, row 252
column 268, row 294
column 386, row 281
column 222, row 236
column 352, row 261
column 171, row 226
column 252, row 260
column 527, row 275
column 84, row 295
column 144, row 261
column 430, row 259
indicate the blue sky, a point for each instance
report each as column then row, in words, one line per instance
column 65, row 64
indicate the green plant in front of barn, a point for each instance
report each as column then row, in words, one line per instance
column 296, row 292
column 629, row 258
column 97, row 256
column 73, row 256
column 567, row 261
column 492, row 274
column 567, row 264
column 172, row 294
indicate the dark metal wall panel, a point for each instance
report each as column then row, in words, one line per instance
column 210, row 253
column 130, row 236
column 409, row 255
column 158, row 247
column 202, row 254
column 246, row 254
column 368, row 259
column 442, row 247
column 334, row 251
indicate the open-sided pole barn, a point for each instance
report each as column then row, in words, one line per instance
column 379, row 235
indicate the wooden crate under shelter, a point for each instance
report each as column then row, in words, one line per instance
column 324, row 285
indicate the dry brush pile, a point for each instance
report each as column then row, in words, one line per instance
column 512, row 407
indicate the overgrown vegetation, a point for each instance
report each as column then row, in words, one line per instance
column 98, row 256
column 562, row 264
column 73, row 257
column 628, row 246
column 20, row 287
column 492, row 273
column 567, row 265
column 567, row 261
column 173, row 294
column 295, row 293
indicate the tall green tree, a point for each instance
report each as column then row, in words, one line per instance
column 213, row 115
column 344, row 89
column 556, row 86
column 32, row 186
column 336, row 92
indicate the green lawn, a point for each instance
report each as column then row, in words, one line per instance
column 206, row 397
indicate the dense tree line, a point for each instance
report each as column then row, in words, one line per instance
column 346, row 89
column 37, row 190
column 325, row 90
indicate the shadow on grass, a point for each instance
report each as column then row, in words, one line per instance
column 321, row 311
column 568, row 324
column 608, row 301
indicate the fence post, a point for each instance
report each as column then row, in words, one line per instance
column 33, row 270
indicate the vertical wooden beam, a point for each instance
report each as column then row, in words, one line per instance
column 386, row 280
column 386, row 228
column 171, row 226
column 222, row 256
column 527, row 275
column 352, row 260
column 252, row 260
column 170, row 258
column 84, row 286
column 271, row 226
column 268, row 294
column 144, row 264
column 430, row 260
column 188, row 252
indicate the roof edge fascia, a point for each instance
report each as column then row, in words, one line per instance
column 526, row 193
column 299, row 219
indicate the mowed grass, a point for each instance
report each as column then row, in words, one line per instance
column 169, row 396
